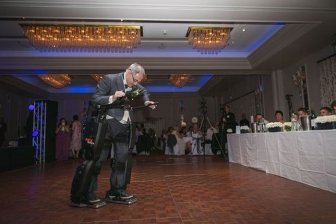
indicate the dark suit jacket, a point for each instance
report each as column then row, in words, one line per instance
column 108, row 86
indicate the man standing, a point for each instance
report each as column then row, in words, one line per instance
column 111, row 88
column 229, row 120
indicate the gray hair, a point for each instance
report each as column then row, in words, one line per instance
column 137, row 68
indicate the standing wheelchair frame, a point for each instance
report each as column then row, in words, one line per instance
column 92, row 146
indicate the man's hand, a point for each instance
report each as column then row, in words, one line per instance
column 151, row 104
column 118, row 94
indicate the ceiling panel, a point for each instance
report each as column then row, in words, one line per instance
column 276, row 33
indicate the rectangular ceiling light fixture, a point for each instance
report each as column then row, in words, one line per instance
column 208, row 40
column 77, row 37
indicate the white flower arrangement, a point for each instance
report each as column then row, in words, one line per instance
column 275, row 125
column 194, row 120
column 325, row 119
column 288, row 126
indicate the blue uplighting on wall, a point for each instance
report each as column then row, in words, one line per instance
column 80, row 89
column 204, row 79
column 192, row 87
column 170, row 89
column 264, row 36
column 41, row 72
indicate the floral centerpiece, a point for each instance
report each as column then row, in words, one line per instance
column 275, row 126
column 244, row 129
column 288, row 126
column 325, row 122
column 229, row 131
column 135, row 92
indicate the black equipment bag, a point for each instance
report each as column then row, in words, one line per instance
column 93, row 140
column 81, row 181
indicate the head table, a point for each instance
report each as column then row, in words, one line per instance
column 308, row 157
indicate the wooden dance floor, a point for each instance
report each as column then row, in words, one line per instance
column 169, row 190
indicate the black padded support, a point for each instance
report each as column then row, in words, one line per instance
column 131, row 137
column 128, row 170
column 99, row 140
column 81, row 181
column 85, row 171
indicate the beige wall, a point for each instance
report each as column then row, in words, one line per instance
column 276, row 85
column 283, row 83
column 168, row 111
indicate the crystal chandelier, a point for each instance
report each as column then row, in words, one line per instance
column 56, row 80
column 179, row 80
column 92, row 38
column 208, row 40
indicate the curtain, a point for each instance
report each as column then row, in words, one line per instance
column 328, row 80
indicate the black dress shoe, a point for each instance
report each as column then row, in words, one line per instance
column 120, row 194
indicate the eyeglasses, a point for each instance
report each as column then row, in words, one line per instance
column 135, row 80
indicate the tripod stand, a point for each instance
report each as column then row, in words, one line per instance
column 215, row 141
column 205, row 120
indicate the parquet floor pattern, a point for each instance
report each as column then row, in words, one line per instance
column 169, row 190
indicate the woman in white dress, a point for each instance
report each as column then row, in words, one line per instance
column 180, row 146
column 196, row 141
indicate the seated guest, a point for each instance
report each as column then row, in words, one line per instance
column 244, row 121
column 143, row 144
column 188, row 147
column 190, row 130
column 325, row 111
column 180, row 146
column 333, row 106
column 259, row 118
column 188, row 139
column 279, row 116
column 171, row 140
column 163, row 139
column 210, row 131
column 196, row 141
column 302, row 112
column 152, row 137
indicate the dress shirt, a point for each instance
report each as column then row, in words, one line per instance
column 126, row 118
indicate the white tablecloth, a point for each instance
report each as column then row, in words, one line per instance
column 308, row 157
